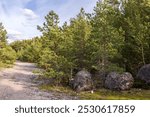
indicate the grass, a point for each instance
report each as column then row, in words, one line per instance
column 3, row 65
column 59, row 89
column 37, row 71
column 102, row 94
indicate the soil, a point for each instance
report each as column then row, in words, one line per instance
column 16, row 83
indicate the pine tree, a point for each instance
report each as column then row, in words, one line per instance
column 135, row 25
column 80, row 31
column 3, row 36
column 105, row 36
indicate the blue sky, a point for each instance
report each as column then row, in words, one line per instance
column 21, row 17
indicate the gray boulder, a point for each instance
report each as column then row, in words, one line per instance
column 111, row 81
column 82, row 81
column 115, row 81
column 144, row 73
column 125, row 81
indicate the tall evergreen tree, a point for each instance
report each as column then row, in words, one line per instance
column 106, row 37
column 7, row 54
column 80, row 31
column 3, row 36
column 135, row 23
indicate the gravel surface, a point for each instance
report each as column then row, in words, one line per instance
column 16, row 84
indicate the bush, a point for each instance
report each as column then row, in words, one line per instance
column 7, row 55
column 31, row 53
column 55, row 66
column 141, row 84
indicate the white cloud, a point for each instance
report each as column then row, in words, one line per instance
column 10, row 31
column 29, row 14
column 13, row 34
column 21, row 21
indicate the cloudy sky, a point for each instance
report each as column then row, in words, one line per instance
column 21, row 17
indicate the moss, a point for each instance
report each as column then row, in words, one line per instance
column 59, row 89
column 102, row 94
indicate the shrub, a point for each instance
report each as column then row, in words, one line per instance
column 7, row 55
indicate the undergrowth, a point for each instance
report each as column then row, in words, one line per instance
column 102, row 94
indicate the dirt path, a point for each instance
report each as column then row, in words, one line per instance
column 16, row 83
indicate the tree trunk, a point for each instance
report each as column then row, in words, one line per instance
column 143, row 56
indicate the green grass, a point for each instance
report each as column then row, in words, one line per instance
column 102, row 94
column 37, row 71
column 3, row 65
column 59, row 89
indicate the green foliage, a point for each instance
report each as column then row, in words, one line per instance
column 2, row 36
column 135, row 23
column 106, row 38
column 81, row 53
column 49, row 60
column 7, row 54
column 28, row 50
column 115, row 37
column 52, row 58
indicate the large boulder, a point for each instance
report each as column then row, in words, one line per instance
column 144, row 73
column 115, row 81
column 82, row 81
column 111, row 81
column 126, row 81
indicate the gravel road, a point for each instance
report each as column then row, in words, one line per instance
column 16, row 84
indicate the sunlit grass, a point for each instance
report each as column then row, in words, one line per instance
column 37, row 71
column 135, row 94
column 102, row 94
column 3, row 65
column 59, row 89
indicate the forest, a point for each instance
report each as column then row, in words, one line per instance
column 114, row 38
